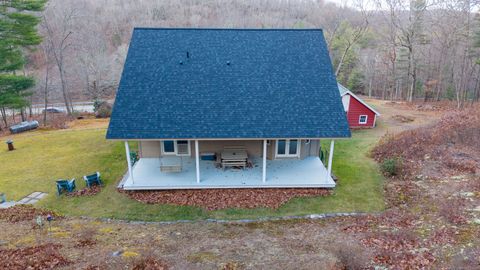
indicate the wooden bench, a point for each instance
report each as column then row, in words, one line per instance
column 234, row 163
column 234, row 156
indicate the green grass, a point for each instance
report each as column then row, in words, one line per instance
column 42, row 157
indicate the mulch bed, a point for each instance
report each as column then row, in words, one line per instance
column 37, row 257
column 213, row 199
column 19, row 213
column 87, row 191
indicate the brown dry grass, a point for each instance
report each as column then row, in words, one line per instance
column 454, row 142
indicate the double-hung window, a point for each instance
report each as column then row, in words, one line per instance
column 288, row 148
column 176, row 147
column 362, row 119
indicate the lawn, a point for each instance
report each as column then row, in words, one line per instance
column 44, row 156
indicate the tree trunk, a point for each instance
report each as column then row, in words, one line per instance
column 476, row 93
column 370, row 87
column 45, row 93
column 384, row 89
column 22, row 114
column 4, row 116
column 66, row 98
column 30, row 109
column 414, row 83
column 341, row 60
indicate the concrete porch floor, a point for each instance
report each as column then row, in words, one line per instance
column 289, row 173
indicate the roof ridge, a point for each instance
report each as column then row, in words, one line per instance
column 228, row 29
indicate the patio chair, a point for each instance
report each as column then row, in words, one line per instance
column 133, row 157
column 67, row 185
column 92, row 179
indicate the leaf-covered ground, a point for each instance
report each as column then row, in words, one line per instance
column 214, row 199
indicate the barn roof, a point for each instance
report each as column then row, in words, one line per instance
column 343, row 90
column 227, row 83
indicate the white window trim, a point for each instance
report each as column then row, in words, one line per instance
column 175, row 153
column 287, row 148
column 360, row 119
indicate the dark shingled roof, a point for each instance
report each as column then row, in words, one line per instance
column 227, row 83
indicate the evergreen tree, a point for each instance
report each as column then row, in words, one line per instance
column 17, row 33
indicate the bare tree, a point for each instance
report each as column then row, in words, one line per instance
column 46, row 52
column 59, row 42
column 413, row 46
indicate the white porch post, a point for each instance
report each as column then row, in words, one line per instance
column 197, row 161
column 330, row 157
column 264, row 171
column 129, row 162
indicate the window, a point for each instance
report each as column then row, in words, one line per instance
column 288, row 148
column 362, row 119
column 183, row 148
column 281, row 147
column 292, row 147
column 179, row 148
column 169, row 147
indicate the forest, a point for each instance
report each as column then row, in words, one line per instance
column 416, row 51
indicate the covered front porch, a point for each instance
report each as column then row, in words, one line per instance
column 306, row 173
column 294, row 164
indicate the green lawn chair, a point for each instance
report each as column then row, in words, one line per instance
column 65, row 185
column 133, row 157
column 93, row 179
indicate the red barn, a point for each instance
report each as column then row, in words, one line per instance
column 359, row 113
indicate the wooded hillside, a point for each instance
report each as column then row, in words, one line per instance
column 392, row 49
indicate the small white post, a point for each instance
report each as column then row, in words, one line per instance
column 129, row 162
column 264, row 172
column 197, row 161
column 330, row 157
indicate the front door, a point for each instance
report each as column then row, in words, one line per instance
column 288, row 148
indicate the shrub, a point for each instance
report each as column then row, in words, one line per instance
column 149, row 261
column 96, row 104
column 86, row 237
column 391, row 166
column 103, row 110
column 350, row 256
